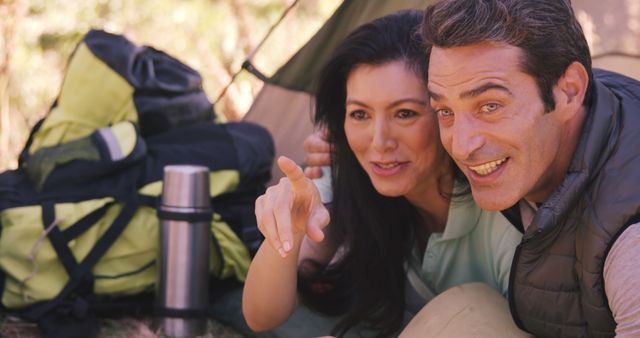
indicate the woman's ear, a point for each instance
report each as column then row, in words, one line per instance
column 571, row 88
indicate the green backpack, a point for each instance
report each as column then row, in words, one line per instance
column 79, row 230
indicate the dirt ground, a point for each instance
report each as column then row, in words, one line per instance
column 11, row 327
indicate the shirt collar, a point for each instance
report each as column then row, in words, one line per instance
column 463, row 215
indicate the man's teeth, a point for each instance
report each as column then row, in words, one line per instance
column 488, row 168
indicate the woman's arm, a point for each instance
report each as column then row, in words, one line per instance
column 291, row 217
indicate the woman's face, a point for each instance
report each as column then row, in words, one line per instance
column 392, row 130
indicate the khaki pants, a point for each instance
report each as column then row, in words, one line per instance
column 468, row 310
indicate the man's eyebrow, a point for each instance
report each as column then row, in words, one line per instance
column 435, row 96
column 483, row 88
column 473, row 92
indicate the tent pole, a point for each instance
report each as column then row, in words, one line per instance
column 247, row 63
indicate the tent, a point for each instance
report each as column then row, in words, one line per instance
column 285, row 104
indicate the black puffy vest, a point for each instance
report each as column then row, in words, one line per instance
column 557, row 284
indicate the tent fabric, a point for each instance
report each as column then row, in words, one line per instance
column 284, row 106
column 287, row 114
column 300, row 71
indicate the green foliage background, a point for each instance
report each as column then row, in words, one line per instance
column 212, row 36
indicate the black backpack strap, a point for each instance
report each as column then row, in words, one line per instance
column 66, row 325
column 24, row 154
column 149, row 201
column 66, row 302
column 60, row 239
column 85, row 223
column 57, row 240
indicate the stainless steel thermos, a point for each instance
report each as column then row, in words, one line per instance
column 182, row 291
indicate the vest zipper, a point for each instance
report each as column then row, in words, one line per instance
column 511, row 292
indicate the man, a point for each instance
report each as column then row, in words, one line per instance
column 553, row 146
column 535, row 132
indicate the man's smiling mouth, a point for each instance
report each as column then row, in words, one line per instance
column 487, row 168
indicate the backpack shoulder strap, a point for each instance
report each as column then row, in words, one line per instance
column 69, row 302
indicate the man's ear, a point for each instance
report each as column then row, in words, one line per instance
column 571, row 88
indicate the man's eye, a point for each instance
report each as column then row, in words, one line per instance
column 489, row 108
column 358, row 115
column 444, row 113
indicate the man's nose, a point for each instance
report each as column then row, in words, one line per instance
column 466, row 138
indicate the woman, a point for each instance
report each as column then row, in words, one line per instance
column 400, row 211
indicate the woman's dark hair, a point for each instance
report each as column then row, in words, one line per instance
column 367, row 280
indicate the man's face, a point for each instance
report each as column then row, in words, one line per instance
column 492, row 122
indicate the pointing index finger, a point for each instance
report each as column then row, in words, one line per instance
column 299, row 182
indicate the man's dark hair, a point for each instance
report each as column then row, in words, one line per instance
column 546, row 31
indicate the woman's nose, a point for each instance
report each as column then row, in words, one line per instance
column 383, row 136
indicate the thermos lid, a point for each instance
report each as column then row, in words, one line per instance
column 186, row 186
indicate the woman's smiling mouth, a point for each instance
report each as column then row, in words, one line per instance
column 388, row 168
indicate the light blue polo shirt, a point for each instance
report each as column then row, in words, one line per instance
column 476, row 246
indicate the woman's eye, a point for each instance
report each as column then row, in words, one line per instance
column 358, row 115
column 489, row 108
column 406, row 113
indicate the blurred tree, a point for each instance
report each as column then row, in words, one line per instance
column 12, row 12
column 212, row 36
